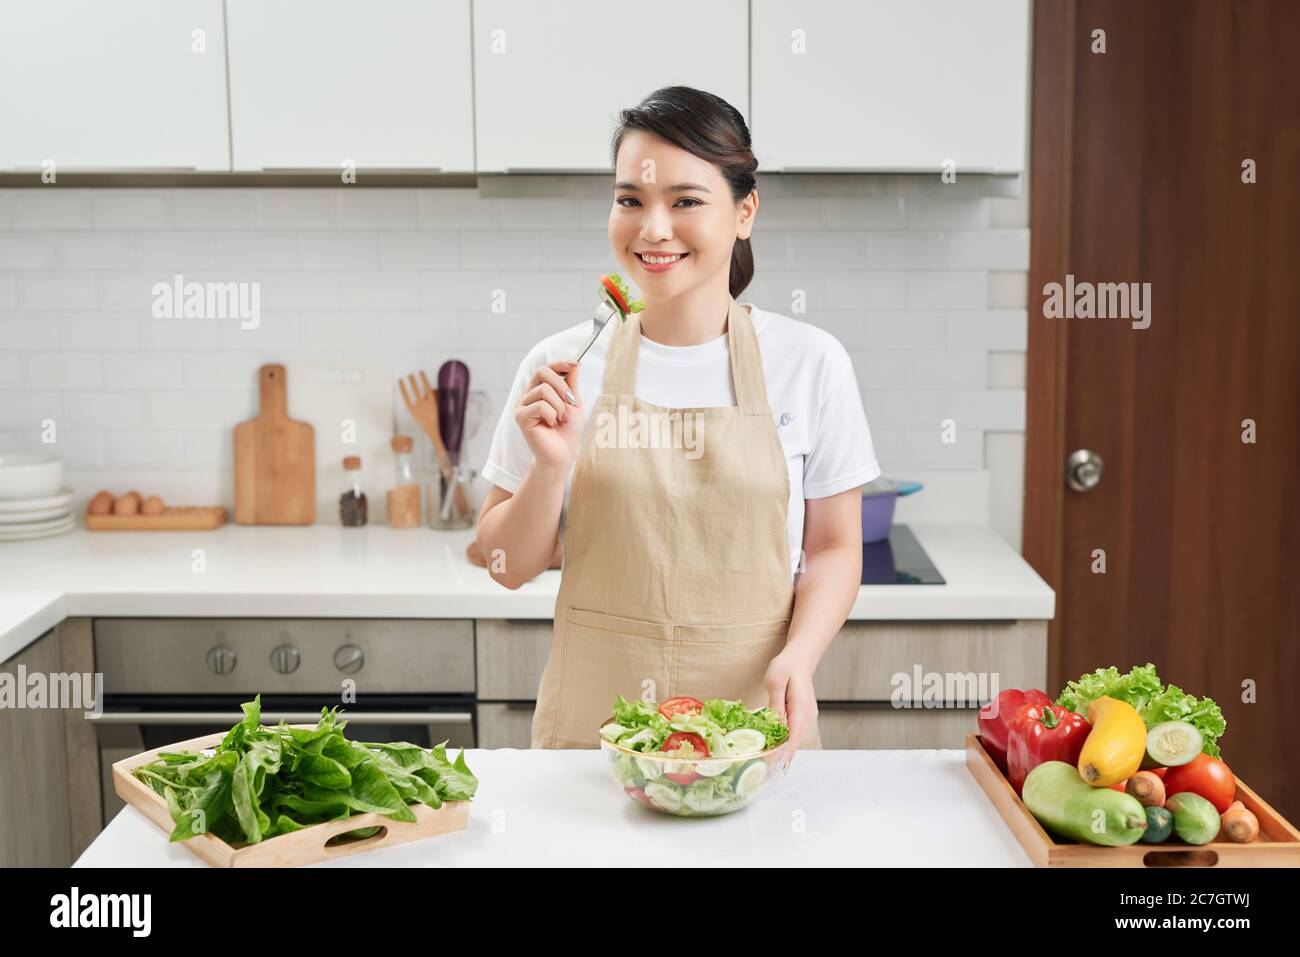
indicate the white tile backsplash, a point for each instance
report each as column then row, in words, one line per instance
column 928, row 293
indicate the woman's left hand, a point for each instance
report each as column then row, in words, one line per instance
column 790, row 693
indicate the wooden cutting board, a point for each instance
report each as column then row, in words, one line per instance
column 275, row 460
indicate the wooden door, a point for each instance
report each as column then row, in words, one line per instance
column 1138, row 176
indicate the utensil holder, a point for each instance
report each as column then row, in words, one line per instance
column 442, row 488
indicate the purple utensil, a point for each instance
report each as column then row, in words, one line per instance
column 453, row 392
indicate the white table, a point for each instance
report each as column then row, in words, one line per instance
column 860, row 808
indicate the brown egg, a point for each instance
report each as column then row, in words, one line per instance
column 128, row 504
column 153, row 505
column 101, row 504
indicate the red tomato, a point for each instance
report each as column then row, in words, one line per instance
column 1120, row 786
column 613, row 291
column 1204, row 775
column 1159, row 772
column 673, row 743
column 638, row 795
column 680, row 705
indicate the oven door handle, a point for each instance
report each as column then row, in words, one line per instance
column 292, row 717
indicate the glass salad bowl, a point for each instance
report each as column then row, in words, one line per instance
column 703, row 787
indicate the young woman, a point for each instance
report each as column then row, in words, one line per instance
column 680, row 558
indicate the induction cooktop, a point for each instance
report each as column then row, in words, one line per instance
column 898, row 560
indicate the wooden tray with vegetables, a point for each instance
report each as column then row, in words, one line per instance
column 306, row 792
column 1122, row 771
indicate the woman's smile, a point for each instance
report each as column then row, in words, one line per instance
column 659, row 262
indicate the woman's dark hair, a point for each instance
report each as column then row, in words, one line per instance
column 712, row 129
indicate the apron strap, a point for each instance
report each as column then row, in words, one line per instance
column 742, row 345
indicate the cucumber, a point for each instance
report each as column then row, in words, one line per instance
column 1195, row 819
column 711, row 769
column 1063, row 802
column 1160, row 824
column 1172, row 743
column 750, row 779
column 664, row 797
column 743, row 742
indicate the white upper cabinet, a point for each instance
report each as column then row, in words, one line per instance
column 890, row 85
column 384, row 84
column 120, row 85
column 550, row 79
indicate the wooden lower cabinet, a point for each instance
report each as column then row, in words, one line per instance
column 866, row 666
column 882, row 727
column 49, row 763
column 505, row 724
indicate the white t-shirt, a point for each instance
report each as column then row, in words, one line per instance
column 811, row 389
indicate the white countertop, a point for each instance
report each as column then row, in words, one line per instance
column 832, row 808
column 322, row 571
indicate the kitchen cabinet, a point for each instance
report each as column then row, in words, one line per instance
column 855, row 682
column 868, row 660
column 505, row 724
column 49, row 764
column 890, row 85
column 133, row 84
column 883, row 727
column 315, row 83
column 547, row 89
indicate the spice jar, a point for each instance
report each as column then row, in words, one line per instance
column 352, row 503
column 404, row 496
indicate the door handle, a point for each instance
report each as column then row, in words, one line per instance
column 1083, row 470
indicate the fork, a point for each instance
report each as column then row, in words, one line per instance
column 605, row 311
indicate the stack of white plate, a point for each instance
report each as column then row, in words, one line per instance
column 33, row 503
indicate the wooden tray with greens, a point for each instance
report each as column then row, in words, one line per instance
column 287, row 795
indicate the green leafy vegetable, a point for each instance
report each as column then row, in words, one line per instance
column 1156, row 703
column 261, row 781
column 638, row 725
column 633, row 305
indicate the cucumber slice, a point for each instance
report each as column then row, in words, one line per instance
column 743, row 742
column 663, row 797
column 1172, row 743
column 750, row 779
column 711, row 769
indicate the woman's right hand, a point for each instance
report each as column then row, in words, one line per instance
column 552, row 427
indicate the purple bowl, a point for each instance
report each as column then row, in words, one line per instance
column 878, row 501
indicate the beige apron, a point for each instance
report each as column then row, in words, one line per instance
column 676, row 577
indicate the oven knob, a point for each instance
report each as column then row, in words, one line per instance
column 285, row 659
column 349, row 659
column 221, row 660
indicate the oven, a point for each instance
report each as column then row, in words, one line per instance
column 169, row 679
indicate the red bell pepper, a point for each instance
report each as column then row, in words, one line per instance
column 994, row 718
column 1043, row 733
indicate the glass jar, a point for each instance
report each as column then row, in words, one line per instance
column 352, row 503
column 404, row 496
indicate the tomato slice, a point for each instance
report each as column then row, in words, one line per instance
column 674, row 742
column 638, row 795
column 617, row 296
column 681, row 705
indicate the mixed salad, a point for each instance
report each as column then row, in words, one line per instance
column 704, row 743
column 620, row 294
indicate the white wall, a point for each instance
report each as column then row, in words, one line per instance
column 926, row 289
